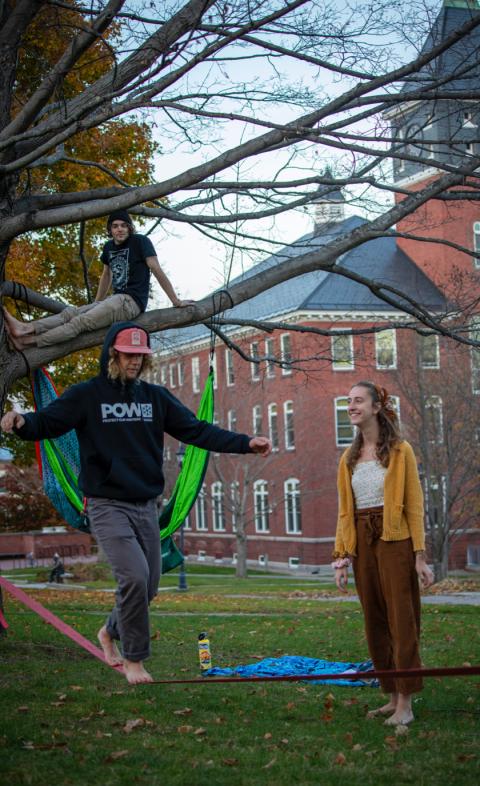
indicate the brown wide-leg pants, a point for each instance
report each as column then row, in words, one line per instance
column 387, row 585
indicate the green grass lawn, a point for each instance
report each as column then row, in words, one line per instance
column 67, row 719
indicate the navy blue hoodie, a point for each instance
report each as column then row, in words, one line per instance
column 120, row 431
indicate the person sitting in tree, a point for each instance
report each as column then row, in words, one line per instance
column 128, row 259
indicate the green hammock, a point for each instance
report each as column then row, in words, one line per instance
column 58, row 461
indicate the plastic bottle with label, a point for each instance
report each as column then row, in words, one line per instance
column 204, row 653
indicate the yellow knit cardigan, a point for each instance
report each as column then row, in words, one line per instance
column 403, row 515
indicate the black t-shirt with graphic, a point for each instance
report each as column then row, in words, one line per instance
column 130, row 273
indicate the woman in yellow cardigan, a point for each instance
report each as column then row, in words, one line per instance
column 381, row 531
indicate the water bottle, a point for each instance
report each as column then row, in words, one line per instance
column 204, row 653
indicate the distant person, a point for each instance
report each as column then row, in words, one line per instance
column 381, row 531
column 120, row 423
column 31, row 561
column 57, row 572
column 128, row 260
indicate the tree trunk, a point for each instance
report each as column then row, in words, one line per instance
column 440, row 565
column 241, row 538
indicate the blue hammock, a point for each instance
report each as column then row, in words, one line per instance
column 292, row 665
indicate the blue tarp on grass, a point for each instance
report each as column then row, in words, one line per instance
column 292, row 665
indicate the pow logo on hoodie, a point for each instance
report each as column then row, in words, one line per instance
column 123, row 412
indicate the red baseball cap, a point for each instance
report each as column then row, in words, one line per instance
column 133, row 340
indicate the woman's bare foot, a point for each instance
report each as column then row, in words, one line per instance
column 110, row 649
column 400, row 718
column 135, row 672
column 385, row 710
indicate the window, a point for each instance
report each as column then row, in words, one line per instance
column 260, row 506
column 231, row 420
column 342, row 353
column 213, row 363
column 395, row 401
column 288, row 425
column 196, row 375
column 476, row 243
column 293, row 517
column 273, row 425
column 257, row 420
column 475, row 356
column 343, row 427
column 229, row 368
column 218, row 508
column 180, row 372
column 386, row 349
column 172, row 375
column 270, row 353
column 254, row 367
column 235, row 502
column 293, row 563
column 201, row 509
column 473, row 556
column 187, row 523
column 286, row 354
column 163, row 375
column 428, row 349
column 434, row 419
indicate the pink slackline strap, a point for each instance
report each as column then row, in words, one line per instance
column 57, row 623
column 451, row 671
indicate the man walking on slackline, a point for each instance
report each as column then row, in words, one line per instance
column 128, row 259
column 120, row 423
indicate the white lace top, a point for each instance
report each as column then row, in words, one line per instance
column 367, row 484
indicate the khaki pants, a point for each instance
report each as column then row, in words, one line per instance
column 387, row 585
column 72, row 321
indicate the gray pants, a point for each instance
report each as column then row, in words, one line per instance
column 129, row 535
column 74, row 320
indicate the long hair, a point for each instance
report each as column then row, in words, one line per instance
column 389, row 427
column 113, row 369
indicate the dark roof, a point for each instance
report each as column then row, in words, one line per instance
column 380, row 260
column 462, row 58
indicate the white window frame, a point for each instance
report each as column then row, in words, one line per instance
column 273, row 426
column 254, row 367
column 286, row 354
column 163, row 374
column 343, row 364
column 196, row 374
column 172, row 373
column 229, row 368
column 293, row 513
column 421, row 345
column 232, row 420
column 476, row 242
column 187, row 524
column 235, row 502
column 201, row 518
column 434, row 484
column 261, row 507
column 181, row 373
column 218, row 506
column 475, row 355
column 288, row 425
column 341, row 405
column 435, row 404
column 269, row 364
column 257, row 420
column 384, row 336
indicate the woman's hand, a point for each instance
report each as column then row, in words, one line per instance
column 424, row 573
column 341, row 578
column 11, row 420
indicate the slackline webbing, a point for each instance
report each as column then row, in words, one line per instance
column 57, row 623
column 48, row 616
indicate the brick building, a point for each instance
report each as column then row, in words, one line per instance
column 295, row 390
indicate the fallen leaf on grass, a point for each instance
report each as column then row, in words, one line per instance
column 132, row 724
column 76, row 687
column 270, row 764
column 115, row 755
column 23, row 708
column 200, row 731
column 267, row 736
column 466, row 757
column 184, row 729
column 230, row 762
column 357, row 747
column 401, row 730
column 391, row 742
column 340, row 759
column 186, row 711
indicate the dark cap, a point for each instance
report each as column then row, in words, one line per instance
column 119, row 215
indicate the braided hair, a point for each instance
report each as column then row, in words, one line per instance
column 389, row 427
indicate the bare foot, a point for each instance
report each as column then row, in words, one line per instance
column 135, row 672
column 385, row 710
column 15, row 328
column 110, row 649
column 400, row 718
